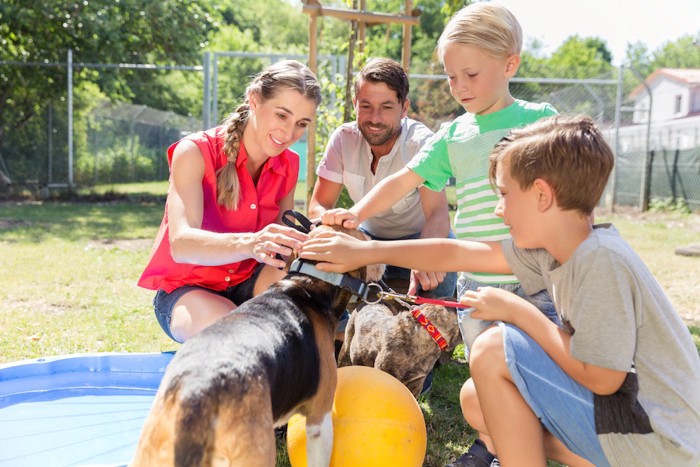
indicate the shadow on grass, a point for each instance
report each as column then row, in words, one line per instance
column 76, row 220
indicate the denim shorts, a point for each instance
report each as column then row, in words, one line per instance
column 564, row 407
column 446, row 288
column 164, row 303
column 470, row 328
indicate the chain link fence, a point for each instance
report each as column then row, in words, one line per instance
column 77, row 137
column 127, row 142
column 119, row 142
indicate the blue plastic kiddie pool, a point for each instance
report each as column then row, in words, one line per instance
column 83, row 409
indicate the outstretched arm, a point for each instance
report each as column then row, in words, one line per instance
column 383, row 196
column 338, row 252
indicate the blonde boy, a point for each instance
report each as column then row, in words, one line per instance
column 480, row 50
column 618, row 384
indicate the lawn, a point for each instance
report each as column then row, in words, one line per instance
column 69, row 272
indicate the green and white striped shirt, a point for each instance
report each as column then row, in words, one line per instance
column 461, row 149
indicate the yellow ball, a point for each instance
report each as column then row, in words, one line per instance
column 376, row 422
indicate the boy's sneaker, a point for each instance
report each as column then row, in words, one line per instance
column 281, row 432
column 476, row 456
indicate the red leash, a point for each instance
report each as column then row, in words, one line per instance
column 433, row 301
column 418, row 300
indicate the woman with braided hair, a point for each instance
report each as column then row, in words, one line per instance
column 221, row 232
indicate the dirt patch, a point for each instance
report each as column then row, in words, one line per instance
column 49, row 308
column 13, row 223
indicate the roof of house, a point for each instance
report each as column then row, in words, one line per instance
column 687, row 76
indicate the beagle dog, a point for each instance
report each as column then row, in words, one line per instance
column 230, row 385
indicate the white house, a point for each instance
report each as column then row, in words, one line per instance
column 675, row 94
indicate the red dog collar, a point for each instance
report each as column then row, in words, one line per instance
column 430, row 327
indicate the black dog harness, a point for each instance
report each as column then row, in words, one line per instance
column 357, row 287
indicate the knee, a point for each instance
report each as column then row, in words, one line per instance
column 180, row 326
column 198, row 312
column 469, row 403
column 487, row 352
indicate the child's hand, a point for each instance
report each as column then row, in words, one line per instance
column 340, row 216
column 494, row 304
column 334, row 251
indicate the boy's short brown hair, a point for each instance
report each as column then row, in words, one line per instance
column 569, row 153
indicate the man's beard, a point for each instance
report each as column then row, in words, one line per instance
column 377, row 139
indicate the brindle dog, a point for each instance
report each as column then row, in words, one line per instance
column 393, row 341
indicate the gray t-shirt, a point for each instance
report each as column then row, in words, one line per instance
column 621, row 319
column 348, row 160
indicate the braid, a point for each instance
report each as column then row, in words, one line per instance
column 226, row 177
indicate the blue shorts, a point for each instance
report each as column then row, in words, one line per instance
column 164, row 303
column 446, row 288
column 564, row 407
column 470, row 327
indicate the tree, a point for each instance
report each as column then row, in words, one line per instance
column 36, row 36
column 682, row 53
column 99, row 31
column 272, row 24
column 637, row 55
column 580, row 58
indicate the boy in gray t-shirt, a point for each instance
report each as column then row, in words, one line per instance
column 619, row 384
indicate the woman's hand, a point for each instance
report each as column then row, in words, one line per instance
column 276, row 239
column 334, row 251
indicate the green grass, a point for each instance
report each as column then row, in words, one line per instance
column 69, row 281
column 69, row 273
column 133, row 189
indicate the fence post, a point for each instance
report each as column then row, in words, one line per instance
column 644, row 195
column 215, row 92
column 70, row 119
column 206, row 109
column 649, row 163
column 610, row 199
column 49, row 141
column 674, row 176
